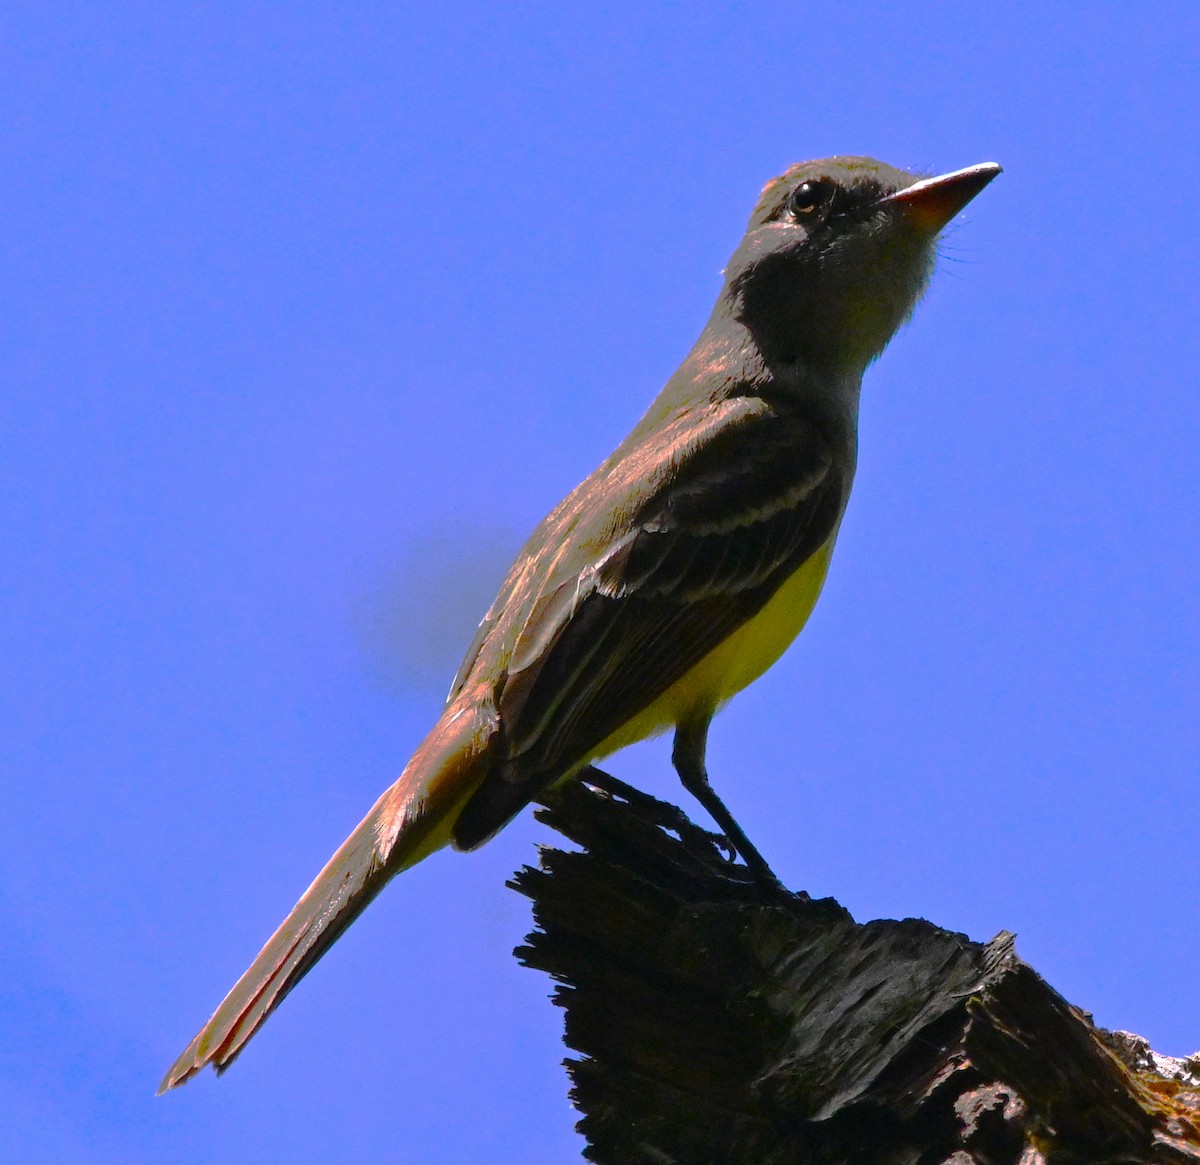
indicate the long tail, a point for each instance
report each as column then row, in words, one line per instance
column 411, row 820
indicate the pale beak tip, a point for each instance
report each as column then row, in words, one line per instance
column 931, row 203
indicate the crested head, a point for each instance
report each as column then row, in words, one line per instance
column 836, row 256
column 851, row 180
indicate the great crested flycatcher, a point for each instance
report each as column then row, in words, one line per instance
column 675, row 574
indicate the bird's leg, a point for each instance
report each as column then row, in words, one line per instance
column 687, row 755
column 697, row 840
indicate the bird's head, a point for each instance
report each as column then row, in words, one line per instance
column 837, row 254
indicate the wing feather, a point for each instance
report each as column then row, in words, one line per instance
column 716, row 511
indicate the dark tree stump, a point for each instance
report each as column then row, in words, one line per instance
column 721, row 1021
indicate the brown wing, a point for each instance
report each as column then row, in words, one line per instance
column 706, row 519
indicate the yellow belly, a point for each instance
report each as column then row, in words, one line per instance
column 736, row 662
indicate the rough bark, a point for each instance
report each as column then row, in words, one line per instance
column 720, row 1020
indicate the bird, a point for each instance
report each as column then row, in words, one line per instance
column 674, row 575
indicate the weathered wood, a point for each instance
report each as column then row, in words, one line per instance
column 721, row 1021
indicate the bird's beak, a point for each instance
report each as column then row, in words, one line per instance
column 930, row 204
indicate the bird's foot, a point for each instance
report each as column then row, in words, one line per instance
column 698, row 842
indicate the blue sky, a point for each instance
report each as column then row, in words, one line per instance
column 311, row 311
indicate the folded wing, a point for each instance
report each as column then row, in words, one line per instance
column 656, row 560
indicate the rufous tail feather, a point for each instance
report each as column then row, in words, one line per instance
column 411, row 820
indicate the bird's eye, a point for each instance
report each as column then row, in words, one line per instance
column 807, row 197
